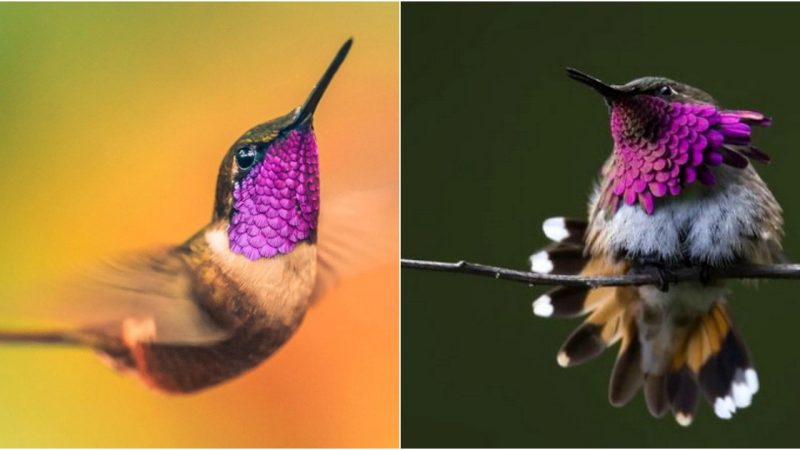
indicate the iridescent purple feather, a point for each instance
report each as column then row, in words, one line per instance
column 660, row 147
column 277, row 204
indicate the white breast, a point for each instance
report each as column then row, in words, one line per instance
column 713, row 225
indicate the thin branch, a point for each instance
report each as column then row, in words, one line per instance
column 777, row 271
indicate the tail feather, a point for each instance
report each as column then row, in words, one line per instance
column 683, row 393
column 727, row 377
column 716, row 362
column 111, row 349
column 655, row 394
column 558, row 259
column 709, row 357
column 571, row 301
column 59, row 337
column 565, row 230
column 565, row 255
column 584, row 344
column 602, row 328
column 566, row 301
column 627, row 377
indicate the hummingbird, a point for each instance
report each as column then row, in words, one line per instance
column 190, row 316
column 677, row 191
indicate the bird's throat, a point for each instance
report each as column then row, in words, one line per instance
column 276, row 205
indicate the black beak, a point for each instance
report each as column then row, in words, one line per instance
column 307, row 110
column 606, row 90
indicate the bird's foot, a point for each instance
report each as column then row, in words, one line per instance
column 664, row 275
column 705, row 274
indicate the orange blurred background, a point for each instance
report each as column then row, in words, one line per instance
column 114, row 120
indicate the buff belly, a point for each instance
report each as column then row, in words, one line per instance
column 260, row 304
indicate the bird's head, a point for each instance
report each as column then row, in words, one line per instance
column 268, row 184
column 667, row 135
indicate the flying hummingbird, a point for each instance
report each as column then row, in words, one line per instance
column 190, row 316
column 677, row 191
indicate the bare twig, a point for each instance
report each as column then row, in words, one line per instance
column 778, row 271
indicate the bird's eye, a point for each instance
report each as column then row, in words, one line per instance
column 665, row 91
column 245, row 157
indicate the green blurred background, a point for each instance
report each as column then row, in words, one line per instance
column 495, row 140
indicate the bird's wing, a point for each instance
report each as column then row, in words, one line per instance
column 152, row 287
column 357, row 232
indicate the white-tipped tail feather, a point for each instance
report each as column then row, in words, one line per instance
column 743, row 387
column 751, row 377
column 555, row 228
column 543, row 307
column 541, row 263
column 716, row 360
column 724, row 407
column 562, row 359
column 683, row 420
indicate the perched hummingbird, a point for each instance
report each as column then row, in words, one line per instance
column 677, row 191
column 188, row 317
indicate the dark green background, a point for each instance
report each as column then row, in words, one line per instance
column 495, row 140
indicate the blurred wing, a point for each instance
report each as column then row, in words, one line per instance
column 357, row 232
column 147, row 286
